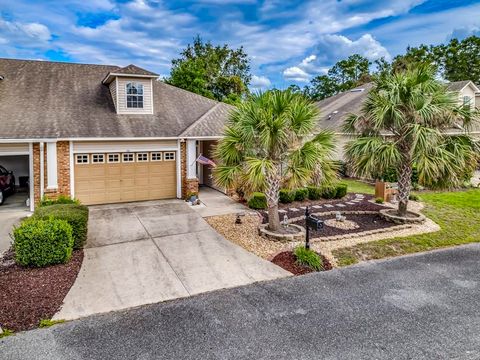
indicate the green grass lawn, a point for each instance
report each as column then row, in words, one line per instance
column 358, row 187
column 457, row 213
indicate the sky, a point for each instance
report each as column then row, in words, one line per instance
column 287, row 41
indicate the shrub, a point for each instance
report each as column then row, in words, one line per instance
column 258, row 200
column 341, row 190
column 41, row 243
column 286, row 196
column 301, row 194
column 308, row 258
column 413, row 197
column 62, row 199
column 75, row 215
column 314, row 192
column 329, row 192
column 379, row 200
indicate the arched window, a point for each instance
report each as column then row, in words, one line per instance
column 134, row 95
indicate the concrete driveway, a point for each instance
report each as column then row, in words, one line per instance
column 11, row 213
column 148, row 252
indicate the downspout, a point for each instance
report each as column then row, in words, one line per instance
column 42, row 170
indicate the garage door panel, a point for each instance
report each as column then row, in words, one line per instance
column 102, row 183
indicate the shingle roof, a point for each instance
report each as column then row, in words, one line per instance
column 211, row 123
column 457, row 85
column 40, row 99
column 134, row 70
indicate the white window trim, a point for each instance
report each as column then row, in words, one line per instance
column 52, row 174
column 141, row 153
column 169, row 152
column 159, row 153
column 113, row 162
column 82, row 163
column 123, row 157
column 127, row 95
column 98, row 162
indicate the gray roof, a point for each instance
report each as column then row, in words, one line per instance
column 134, row 70
column 335, row 109
column 42, row 99
column 212, row 122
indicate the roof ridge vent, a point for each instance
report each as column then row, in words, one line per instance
column 2, row 77
column 357, row 90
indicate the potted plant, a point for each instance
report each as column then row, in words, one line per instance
column 192, row 197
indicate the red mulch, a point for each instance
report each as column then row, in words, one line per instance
column 28, row 295
column 286, row 260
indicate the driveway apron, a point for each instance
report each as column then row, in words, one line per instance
column 148, row 252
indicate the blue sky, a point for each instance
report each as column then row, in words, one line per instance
column 287, row 41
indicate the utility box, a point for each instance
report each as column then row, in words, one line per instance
column 385, row 190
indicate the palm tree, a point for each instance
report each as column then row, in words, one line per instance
column 268, row 143
column 404, row 123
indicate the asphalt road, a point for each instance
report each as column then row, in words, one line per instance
column 417, row 307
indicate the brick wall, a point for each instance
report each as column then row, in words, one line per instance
column 63, row 171
column 188, row 185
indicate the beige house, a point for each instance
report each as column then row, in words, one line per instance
column 103, row 134
column 336, row 108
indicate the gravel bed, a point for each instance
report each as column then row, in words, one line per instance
column 28, row 295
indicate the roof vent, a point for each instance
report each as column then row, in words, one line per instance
column 357, row 90
column 2, row 77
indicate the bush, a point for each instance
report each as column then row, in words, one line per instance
column 314, row 192
column 379, row 200
column 308, row 258
column 41, row 243
column 62, row 199
column 341, row 190
column 75, row 215
column 329, row 192
column 413, row 197
column 258, row 200
column 286, row 196
column 301, row 194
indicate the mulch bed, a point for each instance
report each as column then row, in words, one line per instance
column 286, row 260
column 366, row 222
column 28, row 295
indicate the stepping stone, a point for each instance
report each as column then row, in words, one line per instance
column 303, row 207
column 350, row 203
column 294, row 209
column 282, row 211
column 356, row 201
column 359, row 195
column 340, row 205
column 328, row 205
column 317, row 206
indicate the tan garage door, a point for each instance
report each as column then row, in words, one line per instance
column 122, row 177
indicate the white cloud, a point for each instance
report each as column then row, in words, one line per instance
column 260, row 82
column 25, row 34
column 294, row 73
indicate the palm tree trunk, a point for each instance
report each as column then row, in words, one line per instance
column 404, row 186
column 273, row 193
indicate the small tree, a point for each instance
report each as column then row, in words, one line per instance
column 405, row 122
column 268, row 143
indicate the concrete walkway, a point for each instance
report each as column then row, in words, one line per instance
column 148, row 252
column 215, row 203
column 415, row 307
column 11, row 213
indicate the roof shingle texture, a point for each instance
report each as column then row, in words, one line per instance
column 62, row 100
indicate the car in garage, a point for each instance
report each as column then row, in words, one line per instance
column 7, row 183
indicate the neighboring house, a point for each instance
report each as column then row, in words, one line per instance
column 335, row 109
column 103, row 134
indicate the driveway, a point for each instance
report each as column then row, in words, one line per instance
column 11, row 213
column 416, row 307
column 148, row 252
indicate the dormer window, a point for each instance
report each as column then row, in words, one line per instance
column 134, row 95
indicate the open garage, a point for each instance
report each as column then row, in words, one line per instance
column 14, row 170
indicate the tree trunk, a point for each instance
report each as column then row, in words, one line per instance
column 404, row 186
column 273, row 193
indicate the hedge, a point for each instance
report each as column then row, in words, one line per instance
column 301, row 194
column 61, row 199
column 257, row 201
column 341, row 190
column 286, row 196
column 75, row 215
column 41, row 243
column 329, row 192
column 314, row 192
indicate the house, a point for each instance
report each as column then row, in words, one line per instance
column 103, row 134
column 335, row 109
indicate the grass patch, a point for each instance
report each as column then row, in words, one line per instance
column 359, row 187
column 44, row 323
column 6, row 332
column 457, row 213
